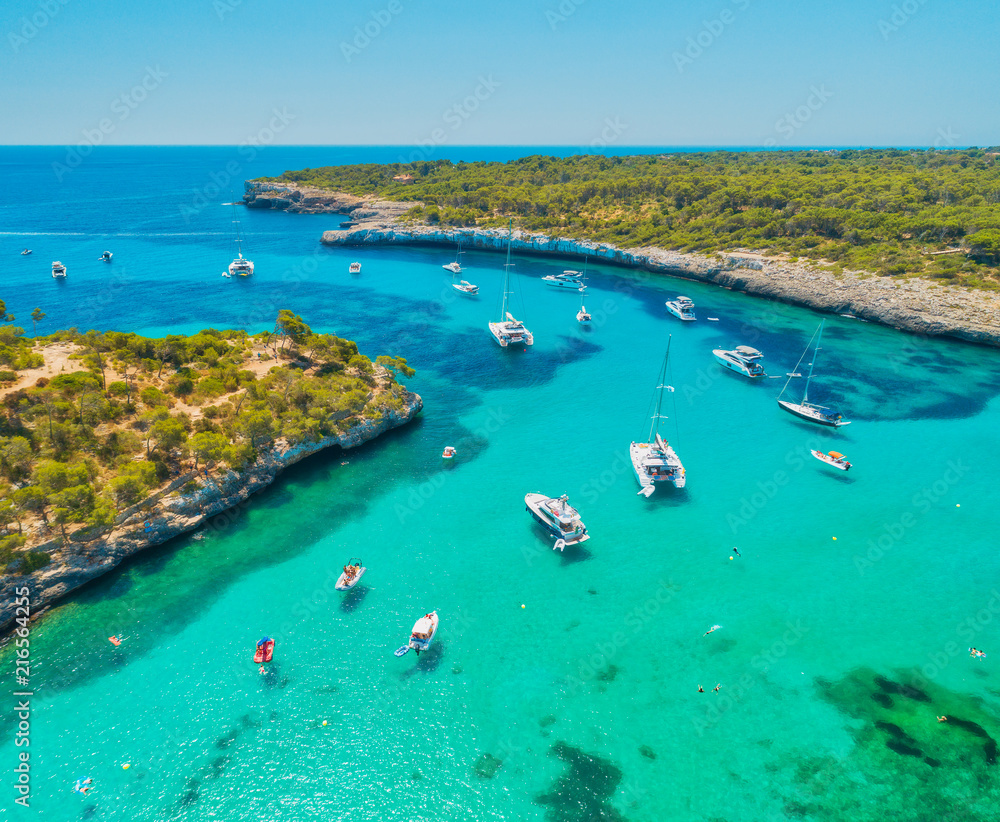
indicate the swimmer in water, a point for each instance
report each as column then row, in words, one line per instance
column 942, row 719
column 716, row 688
column 737, row 551
column 701, row 690
column 711, row 630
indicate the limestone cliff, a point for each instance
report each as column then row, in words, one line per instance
column 170, row 515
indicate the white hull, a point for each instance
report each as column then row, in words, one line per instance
column 240, row 267
column 650, row 467
column 687, row 315
column 556, row 282
column 841, row 463
column 733, row 363
column 354, row 268
column 58, row 271
column 466, row 288
column 344, row 585
column 583, row 317
column 814, row 413
column 545, row 510
column 508, row 333
column 454, row 268
column 419, row 645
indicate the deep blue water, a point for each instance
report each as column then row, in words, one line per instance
column 589, row 693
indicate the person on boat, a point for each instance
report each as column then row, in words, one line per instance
column 349, row 572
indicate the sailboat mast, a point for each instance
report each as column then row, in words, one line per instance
column 506, row 271
column 819, row 339
column 654, row 424
column 239, row 241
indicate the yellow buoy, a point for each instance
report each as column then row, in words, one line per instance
column 730, row 558
column 958, row 505
column 324, row 721
column 126, row 766
column 522, row 605
column 834, row 538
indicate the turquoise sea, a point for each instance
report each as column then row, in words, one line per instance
column 560, row 687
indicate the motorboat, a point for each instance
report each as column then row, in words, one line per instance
column 568, row 279
column 58, row 270
column 265, row 650
column 352, row 573
column 834, row 458
column 25, row 252
column 743, row 359
column 654, row 460
column 465, row 287
column 422, row 635
column 809, row 411
column 354, row 268
column 558, row 517
column 448, row 453
column 106, row 257
column 682, row 308
column 507, row 330
column 241, row 266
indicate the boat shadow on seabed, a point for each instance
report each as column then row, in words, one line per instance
column 354, row 598
column 427, row 662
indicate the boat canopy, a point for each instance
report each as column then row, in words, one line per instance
column 836, row 455
column 747, row 351
column 263, row 641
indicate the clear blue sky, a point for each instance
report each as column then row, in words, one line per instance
column 556, row 72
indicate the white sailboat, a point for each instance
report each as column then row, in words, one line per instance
column 819, row 414
column 582, row 316
column 240, row 266
column 58, row 270
column 455, row 267
column 655, row 461
column 508, row 330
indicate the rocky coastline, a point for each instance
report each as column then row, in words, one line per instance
column 171, row 513
column 919, row 306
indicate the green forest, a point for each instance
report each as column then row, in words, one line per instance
column 120, row 415
column 883, row 211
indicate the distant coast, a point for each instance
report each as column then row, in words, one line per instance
column 915, row 305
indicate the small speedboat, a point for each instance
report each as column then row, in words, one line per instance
column 454, row 267
column 448, row 453
column 465, row 287
column 354, row 268
column 265, row 650
column 106, row 257
column 743, row 358
column 422, row 634
column 682, row 308
column 558, row 517
column 834, row 458
column 25, row 252
column 353, row 572
column 58, row 270
column 568, row 279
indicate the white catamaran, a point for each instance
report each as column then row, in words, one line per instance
column 655, row 461
column 240, row 266
column 806, row 410
column 507, row 330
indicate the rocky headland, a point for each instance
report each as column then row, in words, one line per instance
column 919, row 306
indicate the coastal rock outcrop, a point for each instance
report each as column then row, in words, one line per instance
column 167, row 515
column 297, row 199
column 915, row 305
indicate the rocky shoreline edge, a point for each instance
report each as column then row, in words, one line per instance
column 919, row 306
column 170, row 514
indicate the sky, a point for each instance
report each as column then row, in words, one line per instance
column 587, row 73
